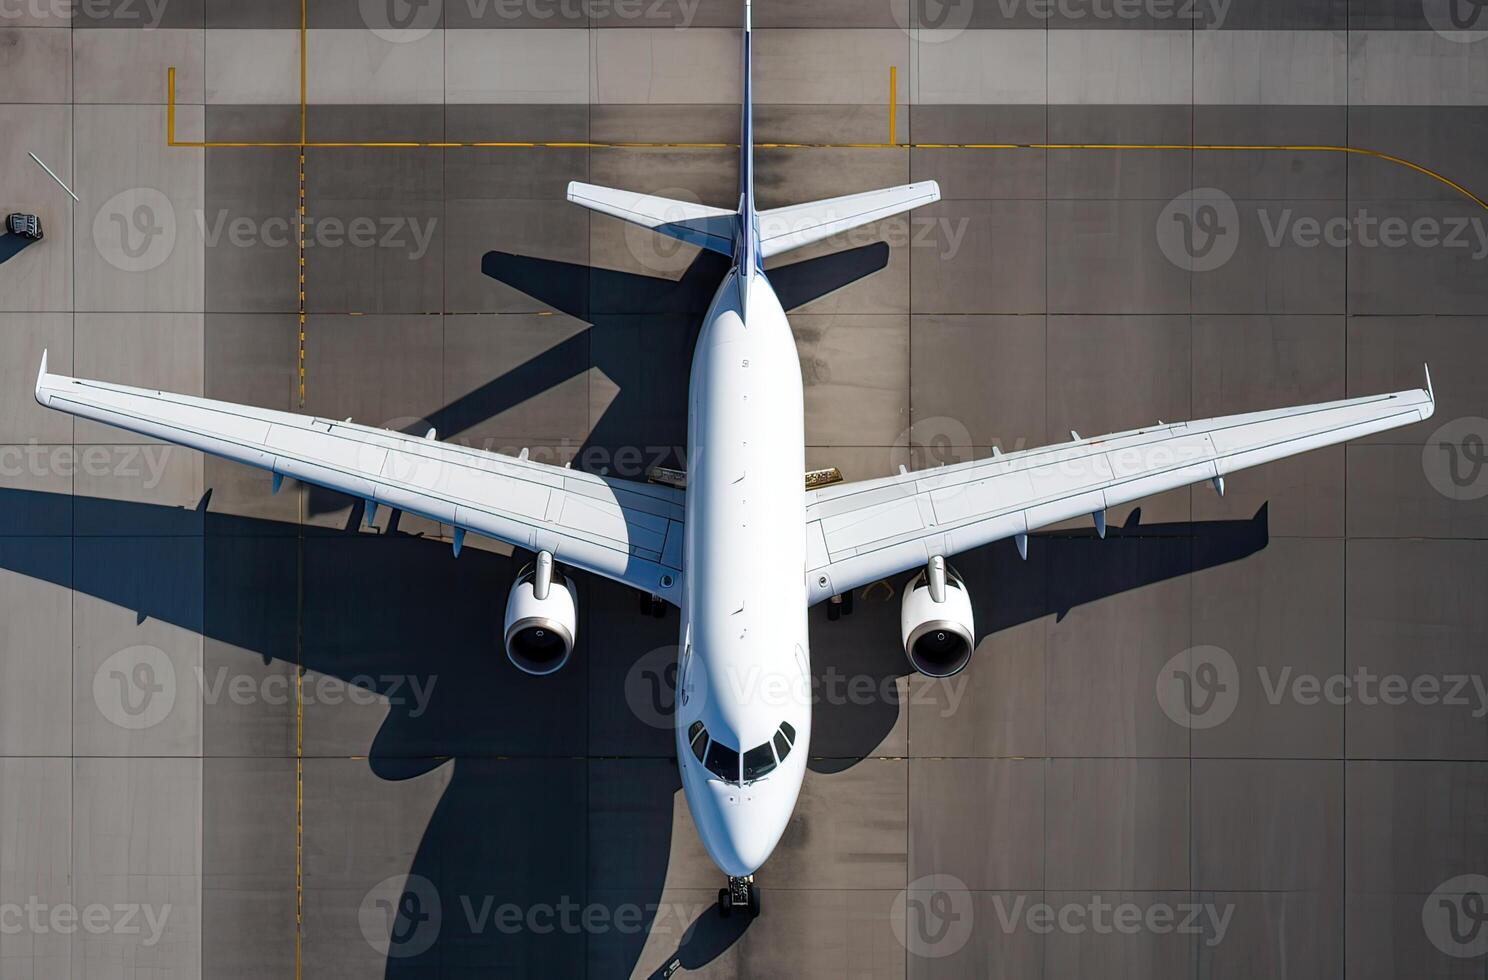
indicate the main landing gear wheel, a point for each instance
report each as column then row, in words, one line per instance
column 742, row 894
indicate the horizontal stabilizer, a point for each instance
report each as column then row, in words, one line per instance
column 696, row 224
column 783, row 229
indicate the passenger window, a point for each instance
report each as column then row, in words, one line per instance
column 782, row 747
column 723, row 762
column 758, row 761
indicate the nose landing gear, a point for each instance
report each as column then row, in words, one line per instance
column 742, row 894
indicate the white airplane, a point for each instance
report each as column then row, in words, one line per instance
column 747, row 548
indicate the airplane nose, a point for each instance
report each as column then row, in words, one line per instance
column 745, row 833
column 740, row 851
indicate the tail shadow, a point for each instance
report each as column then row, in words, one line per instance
column 641, row 328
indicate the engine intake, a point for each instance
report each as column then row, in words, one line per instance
column 540, row 631
column 935, row 621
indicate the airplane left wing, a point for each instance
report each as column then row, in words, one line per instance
column 857, row 533
column 626, row 531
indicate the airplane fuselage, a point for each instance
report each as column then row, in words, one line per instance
column 744, row 660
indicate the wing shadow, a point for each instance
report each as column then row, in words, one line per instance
column 1065, row 569
column 378, row 609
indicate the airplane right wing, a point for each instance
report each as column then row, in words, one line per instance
column 857, row 533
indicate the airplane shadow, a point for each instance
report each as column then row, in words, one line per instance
column 12, row 245
column 548, row 774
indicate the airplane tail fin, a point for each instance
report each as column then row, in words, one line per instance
column 696, row 224
column 784, row 229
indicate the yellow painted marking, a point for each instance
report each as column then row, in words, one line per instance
column 893, row 104
column 892, row 144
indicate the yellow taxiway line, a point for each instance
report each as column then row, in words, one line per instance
column 892, row 144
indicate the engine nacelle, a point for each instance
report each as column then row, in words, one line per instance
column 938, row 631
column 540, row 631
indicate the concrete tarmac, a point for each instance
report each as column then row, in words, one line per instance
column 242, row 735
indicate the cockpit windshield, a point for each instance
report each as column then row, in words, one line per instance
column 724, row 761
column 758, row 761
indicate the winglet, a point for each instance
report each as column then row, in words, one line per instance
column 40, row 374
column 1430, row 391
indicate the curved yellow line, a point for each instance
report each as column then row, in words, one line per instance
column 304, row 144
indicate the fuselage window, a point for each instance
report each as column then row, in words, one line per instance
column 723, row 762
column 782, row 747
column 758, row 762
column 790, row 733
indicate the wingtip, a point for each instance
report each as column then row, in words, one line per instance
column 41, row 373
column 1430, row 391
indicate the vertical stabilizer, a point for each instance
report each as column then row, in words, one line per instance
column 747, row 251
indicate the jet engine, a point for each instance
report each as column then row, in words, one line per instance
column 541, row 618
column 935, row 621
